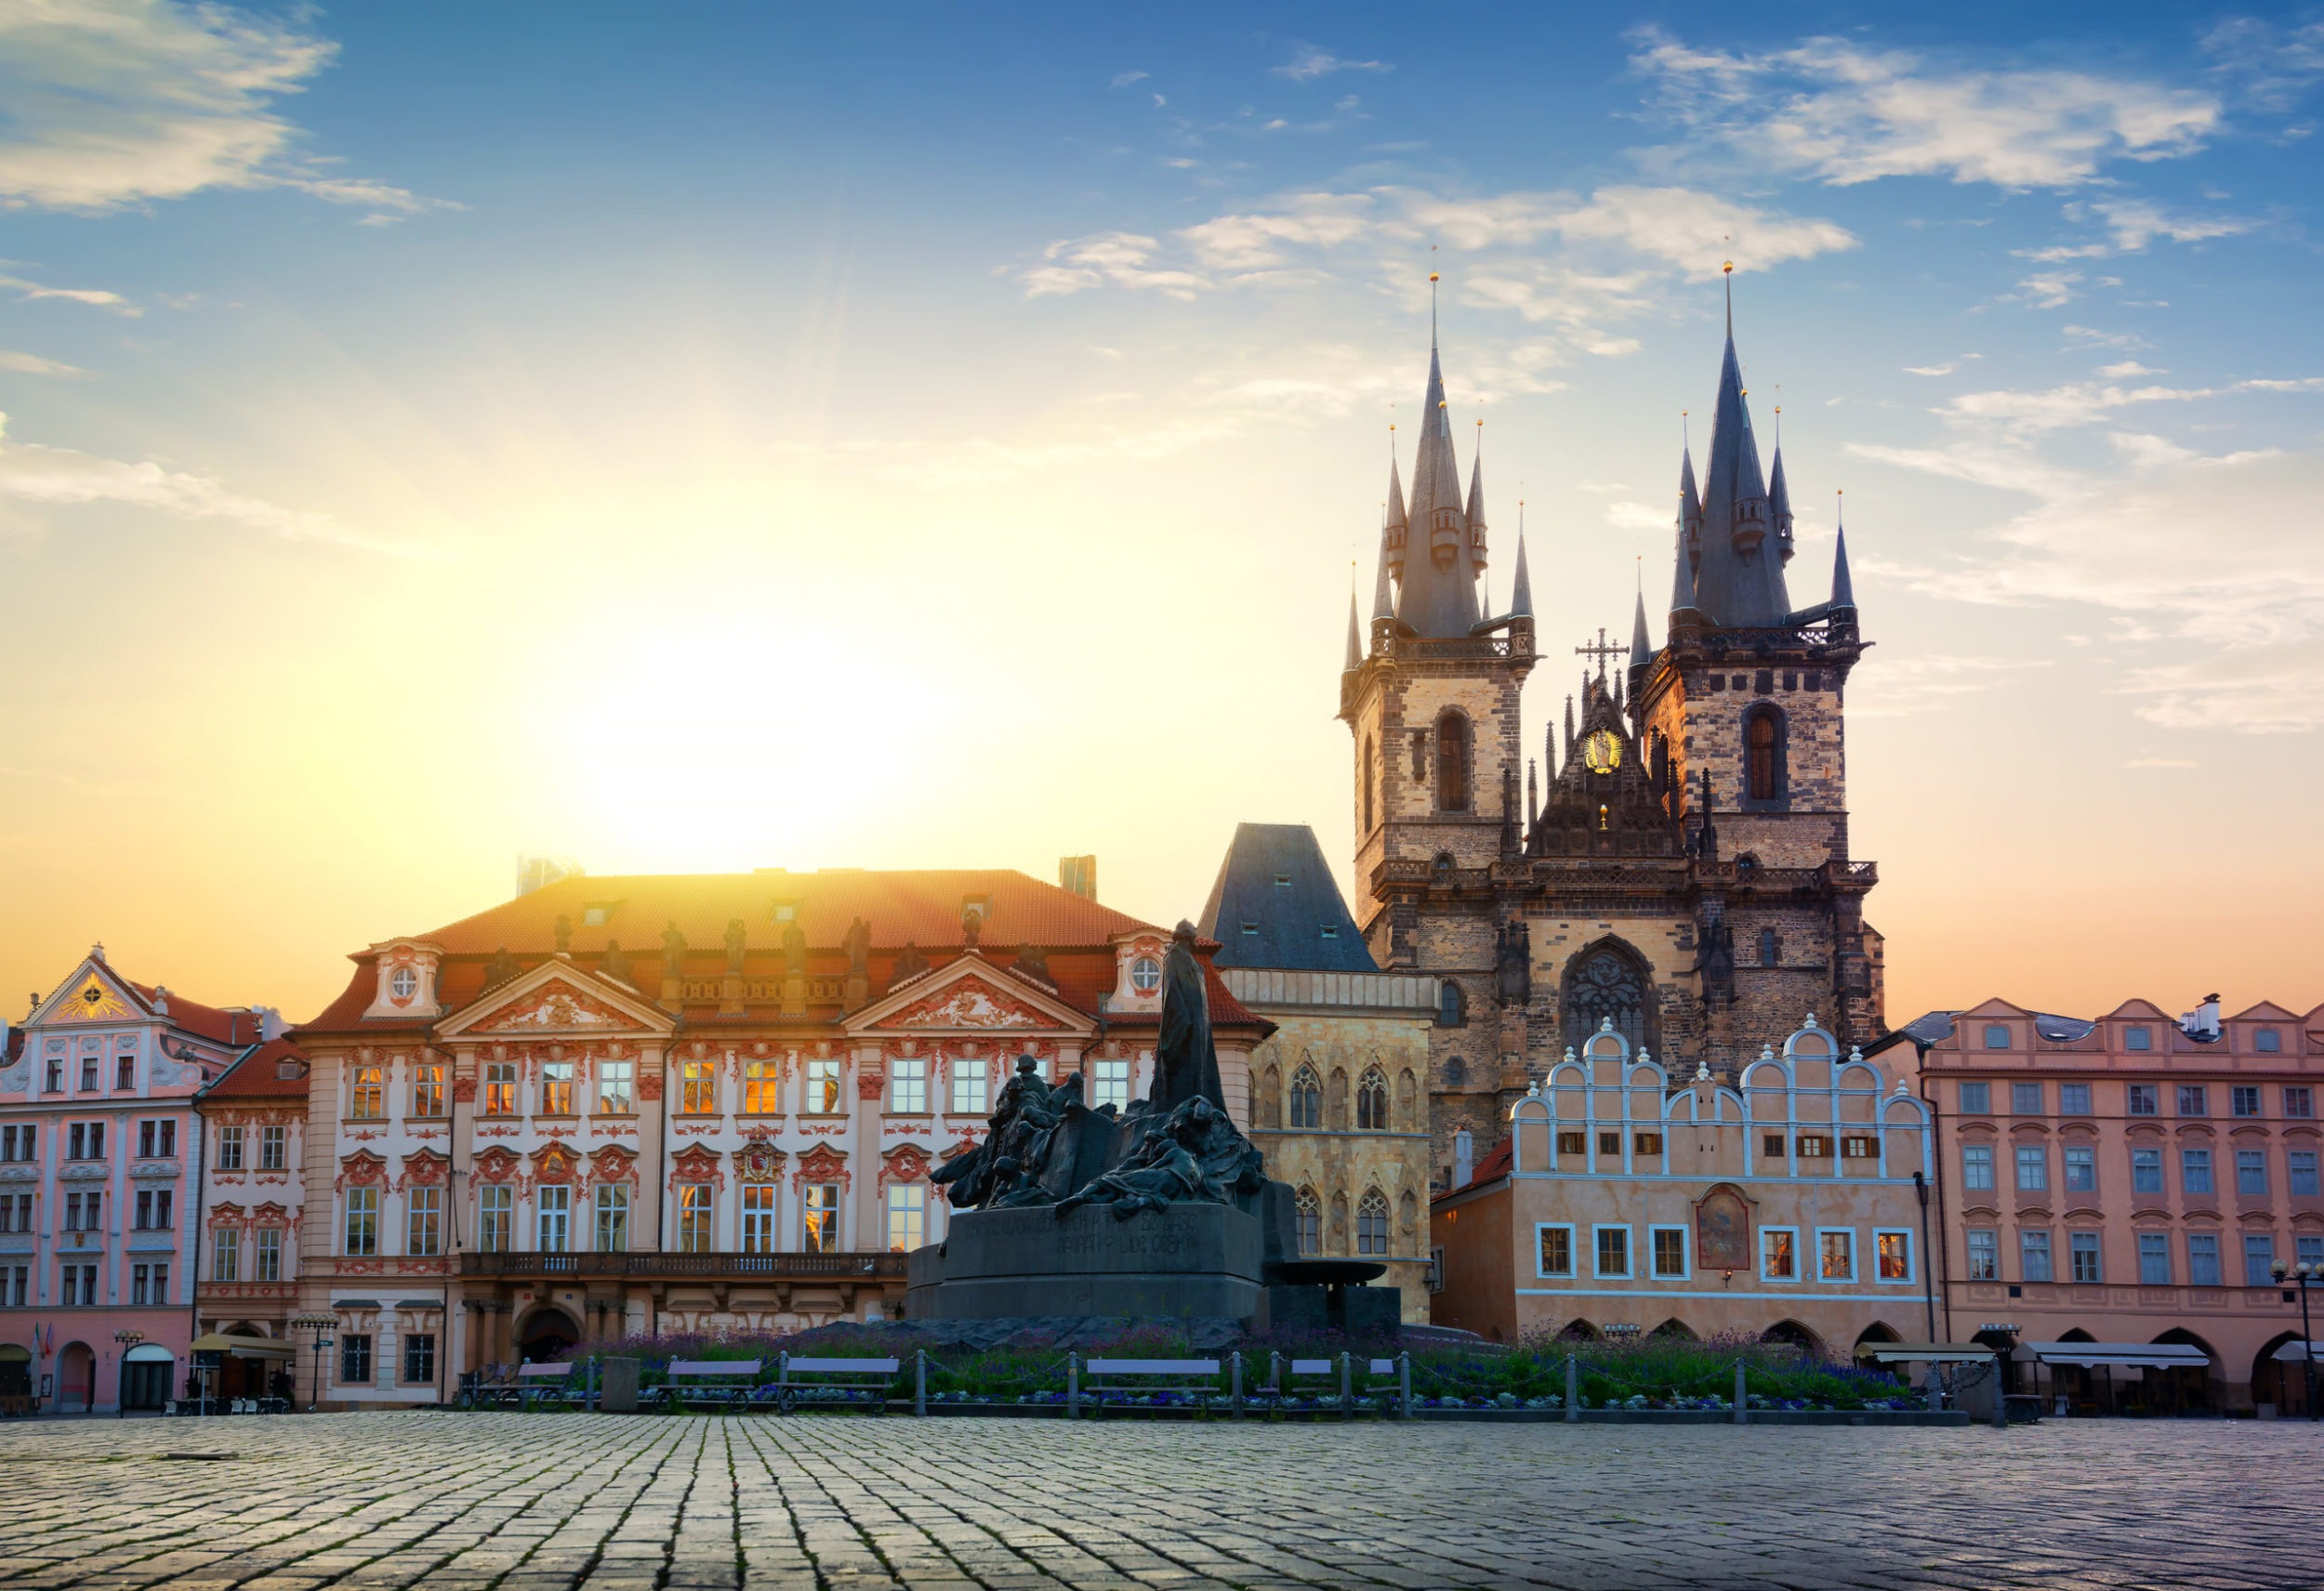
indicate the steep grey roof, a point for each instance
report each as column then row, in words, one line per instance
column 1440, row 603
column 1844, row 591
column 1738, row 571
column 1521, row 594
column 1274, row 901
column 1642, row 652
column 1355, row 638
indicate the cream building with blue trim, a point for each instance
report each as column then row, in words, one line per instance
column 1793, row 1206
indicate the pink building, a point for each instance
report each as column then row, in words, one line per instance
column 2114, row 1185
column 99, row 1173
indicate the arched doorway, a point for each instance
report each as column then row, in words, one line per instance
column 548, row 1332
column 145, row 1377
column 2005, row 1345
column 1877, row 1332
column 1791, row 1334
column 1579, row 1331
column 1675, row 1329
column 2283, row 1381
column 76, row 1379
column 2187, row 1389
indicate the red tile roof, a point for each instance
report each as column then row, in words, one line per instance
column 223, row 1025
column 257, row 1074
column 1492, row 1168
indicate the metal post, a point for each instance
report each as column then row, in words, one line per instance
column 1404, row 1385
column 920, row 1382
column 1572, row 1390
column 1275, row 1372
column 1072, row 1386
column 1347, row 1393
column 1742, row 1396
column 589, row 1384
column 2307, row 1347
column 1235, row 1372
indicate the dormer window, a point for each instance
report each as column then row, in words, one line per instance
column 1331, row 930
column 1283, row 881
column 787, row 910
column 1250, row 927
column 403, row 983
column 597, row 914
column 1145, row 974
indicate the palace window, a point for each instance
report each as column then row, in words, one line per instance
column 698, row 1087
column 2081, row 1168
column 2268, row 1041
column 126, row 1069
column 226, row 1254
column 2138, row 1038
column 1557, row 1250
column 428, row 1089
column 968, row 1080
column 16, row 1213
column 908, row 1086
column 1371, row 1103
column 1645, row 1143
column 1307, row 1101
column 355, row 1357
column 268, row 1254
column 419, row 1356
column 2146, row 1171
column 273, row 1148
column 366, row 1096
column 2033, row 1168
column 2153, row 1259
column 2251, row 1173
column 1985, row 1254
column 154, row 1213
column 907, row 1218
column 2299, row 1103
column 2194, row 1171
column 1452, row 763
column 1778, row 1259
column 1610, row 1144
column 2146, row 1099
column 2259, row 1259
column 759, row 1201
column 2074, row 1098
column 16, row 1285
column 554, row 1206
column 2244, row 1101
column 363, row 1222
column 2025, row 1099
column 1145, row 974
column 79, row 1288
column 762, row 1081
column 694, row 1208
column 1976, row 1098
column 493, row 1219
column 822, row 1085
column 20, row 1141
column 403, row 983
column 2193, row 1099
column 1612, row 1245
column 2202, row 1259
column 1996, row 1036
column 423, row 1213
column 556, row 1088
column 1573, row 1141
column 1977, row 1168
column 84, row 1212
column 500, row 1088
column 1764, row 751
column 1371, row 1224
column 1308, row 1221
column 2033, row 1256
column 819, row 1216
column 1815, row 1146
column 88, row 1071
column 2300, row 1174
column 157, row 1140
column 1859, row 1146
column 614, row 1087
column 2083, row 1249
column 56, row 1068
column 1112, row 1080
column 1669, row 1251
column 1836, row 1257
column 1894, row 1255
column 612, row 1219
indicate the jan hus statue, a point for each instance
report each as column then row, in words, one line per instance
column 1185, row 1061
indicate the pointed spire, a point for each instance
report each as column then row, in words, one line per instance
column 1738, row 578
column 1521, row 594
column 1355, row 633
column 1437, row 596
column 1844, row 591
column 1780, row 500
column 1392, row 529
column 1569, row 725
column 1681, row 578
column 1533, row 792
column 1642, row 652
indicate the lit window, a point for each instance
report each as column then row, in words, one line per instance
column 1836, row 1258
column 1777, row 1259
column 1859, row 1146
column 613, row 1086
column 823, row 1086
column 365, row 1095
column 1613, row 1251
column 1815, row 1146
column 428, row 1089
column 500, row 1088
column 819, row 1215
column 1371, row 1225
column 762, row 1078
column 556, row 1088
column 698, row 1087
column 907, row 1218
column 1895, row 1256
column 612, row 1219
column 1557, row 1251
column 1669, row 1251
column 693, row 1217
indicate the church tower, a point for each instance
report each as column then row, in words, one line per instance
column 1676, row 867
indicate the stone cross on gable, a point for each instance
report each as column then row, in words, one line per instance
column 1601, row 652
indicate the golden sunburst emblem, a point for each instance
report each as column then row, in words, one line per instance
column 94, row 1002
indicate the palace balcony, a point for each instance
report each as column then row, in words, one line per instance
column 706, row 1267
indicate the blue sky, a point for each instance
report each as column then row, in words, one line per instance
column 715, row 437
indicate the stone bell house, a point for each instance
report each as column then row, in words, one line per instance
column 621, row 1105
column 1337, row 1105
column 1677, row 863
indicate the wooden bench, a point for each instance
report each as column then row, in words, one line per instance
column 1196, row 1377
column 862, row 1376
column 725, row 1382
column 1342, row 1371
column 540, row 1381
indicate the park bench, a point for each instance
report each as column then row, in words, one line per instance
column 1197, row 1378
column 724, row 1382
column 1375, row 1377
column 852, row 1378
column 536, row 1382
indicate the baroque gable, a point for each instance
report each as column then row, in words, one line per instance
column 556, row 998
column 970, row 995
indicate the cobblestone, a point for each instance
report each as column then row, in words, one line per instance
column 552, row 1501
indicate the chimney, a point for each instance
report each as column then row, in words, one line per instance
column 1078, row 875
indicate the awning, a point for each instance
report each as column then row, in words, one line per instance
column 1924, row 1352
column 2119, row 1355
column 245, row 1347
column 2294, row 1352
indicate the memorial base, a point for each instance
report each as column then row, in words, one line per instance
column 1188, row 1261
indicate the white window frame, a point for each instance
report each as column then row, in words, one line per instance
column 1573, row 1256
column 907, row 1072
column 610, row 1207
column 907, row 1202
column 552, row 1199
column 759, row 1229
column 1630, row 1252
column 968, row 1087
column 1685, row 1273
column 1854, row 1265
column 1110, row 1079
column 1912, row 1258
column 1796, row 1258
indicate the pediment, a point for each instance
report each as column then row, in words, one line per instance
column 970, row 996
column 92, row 995
column 557, row 998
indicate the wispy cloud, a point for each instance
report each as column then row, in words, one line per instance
column 33, row 364
column 1639, row 516
column 100, row 297
column 1308, row 62
column 121, row 103
column 2132, row 224
column 1835, row 112
column 2268, row 64
column 1124, row 79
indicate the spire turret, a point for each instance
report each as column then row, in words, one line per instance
column 1355, row 633
column 1642, row 652
column 1780, row 502
column 1739, row 577
column 1392, row 529
column 1476, row 503
column 1437, row 584
column 1521, row 593
column 1844, row 591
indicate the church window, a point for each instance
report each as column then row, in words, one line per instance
column 1310, row 1219
column 1766, row 683
column 1371, row 1224
column 1606, row 984
column 1770, row 948
column 1452, row 763
column 1455, row 1072
column 1371, row 780
column 1307, row 1101
column 1451, row 1009
column 1371, row 1103
column 1764, row 754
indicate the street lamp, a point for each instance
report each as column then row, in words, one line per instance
column 2307, row 1276
column 128, row 1339
column 321, row 1325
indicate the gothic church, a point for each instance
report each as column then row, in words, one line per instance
column 1676, row 864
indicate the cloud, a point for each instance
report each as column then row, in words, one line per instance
column 1307, row 63
column 97, row 296
column 1121, row 259
column 1124, row 79
column 1639, row 517
column 2082, row 402
column 1833, row 110
column 121, row 103
column 2268, row 65
column 1898, row 685
column 2131, row 224
column 1931, row 369
column 33, row 364
column 53, row 477
column 2048, row 289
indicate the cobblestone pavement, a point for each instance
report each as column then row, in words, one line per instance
column 540, row 1501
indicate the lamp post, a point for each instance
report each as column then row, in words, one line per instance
column 321, row 1325
column 128, row 1339
column 2307, row 1276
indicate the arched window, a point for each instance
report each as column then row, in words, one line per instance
column 1441, row 870
column 1307, row 1101
column 1455, row 1072
column 1770, row 948
column 1764, row 777
column 1370, row 776
column 1371, row 1225
column 1607, row 982
column 1452, row 1011
column 1310, row 1219
column 1452, row 763
column 1371, row 1103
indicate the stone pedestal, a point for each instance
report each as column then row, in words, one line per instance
column 619, row 1395
column 1190, row 1260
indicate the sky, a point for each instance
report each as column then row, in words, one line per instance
column 707, row 438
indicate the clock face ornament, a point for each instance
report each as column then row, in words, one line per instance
column 1603, row 751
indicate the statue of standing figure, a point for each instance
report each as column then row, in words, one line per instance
column 1185, row 1061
